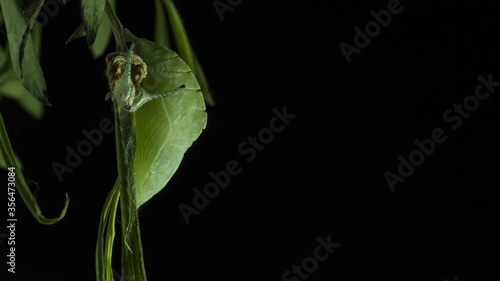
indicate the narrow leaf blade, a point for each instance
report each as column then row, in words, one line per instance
column 106, row 236
column 162, row 36
column 179, row 32
column 183, row 47
column 200, row 74
column 92, row 13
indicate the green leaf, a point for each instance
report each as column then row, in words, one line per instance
column 129, row 36
column 161, row 27
column 92, row 12
column 14, row 89
column 198, row 72
column 30, row 8
column 11, row 87
column 166, row 127
column 21, row 184
column 183, row 47
column 37, row 41
column 179, row 32
column 4, row 59
column 103, row 36
column 3, row 164
column 106, row 236
column 30, row 13
column 1, row 16
column 28, row 70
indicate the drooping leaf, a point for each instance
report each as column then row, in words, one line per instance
column 14, row 89
column 30, row 13
column 29, row 70
column 103, row 35
column 11, row 87
column 92, row 13
column 21, row 184
column 166, row 127
column 162, row 36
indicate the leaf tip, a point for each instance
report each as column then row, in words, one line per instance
column 46, row 102
column 90, row 38
column 90, row 31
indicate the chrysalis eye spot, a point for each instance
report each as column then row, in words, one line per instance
column 139, row 70
column 115, row 63
column 125, row 73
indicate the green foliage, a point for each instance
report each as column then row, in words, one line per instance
column 11, row 87
column 3, row 164
column 103, row 36
column 183, row 47
column 167, row 127
column 162, row 34
column 151, row 142
column 92, row 13
column 21, row 184
column 22, row 50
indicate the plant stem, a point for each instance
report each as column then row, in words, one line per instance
column 126, row 136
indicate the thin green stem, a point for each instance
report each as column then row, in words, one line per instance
column 126, row 136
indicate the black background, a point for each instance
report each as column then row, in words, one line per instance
column 323, row 175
